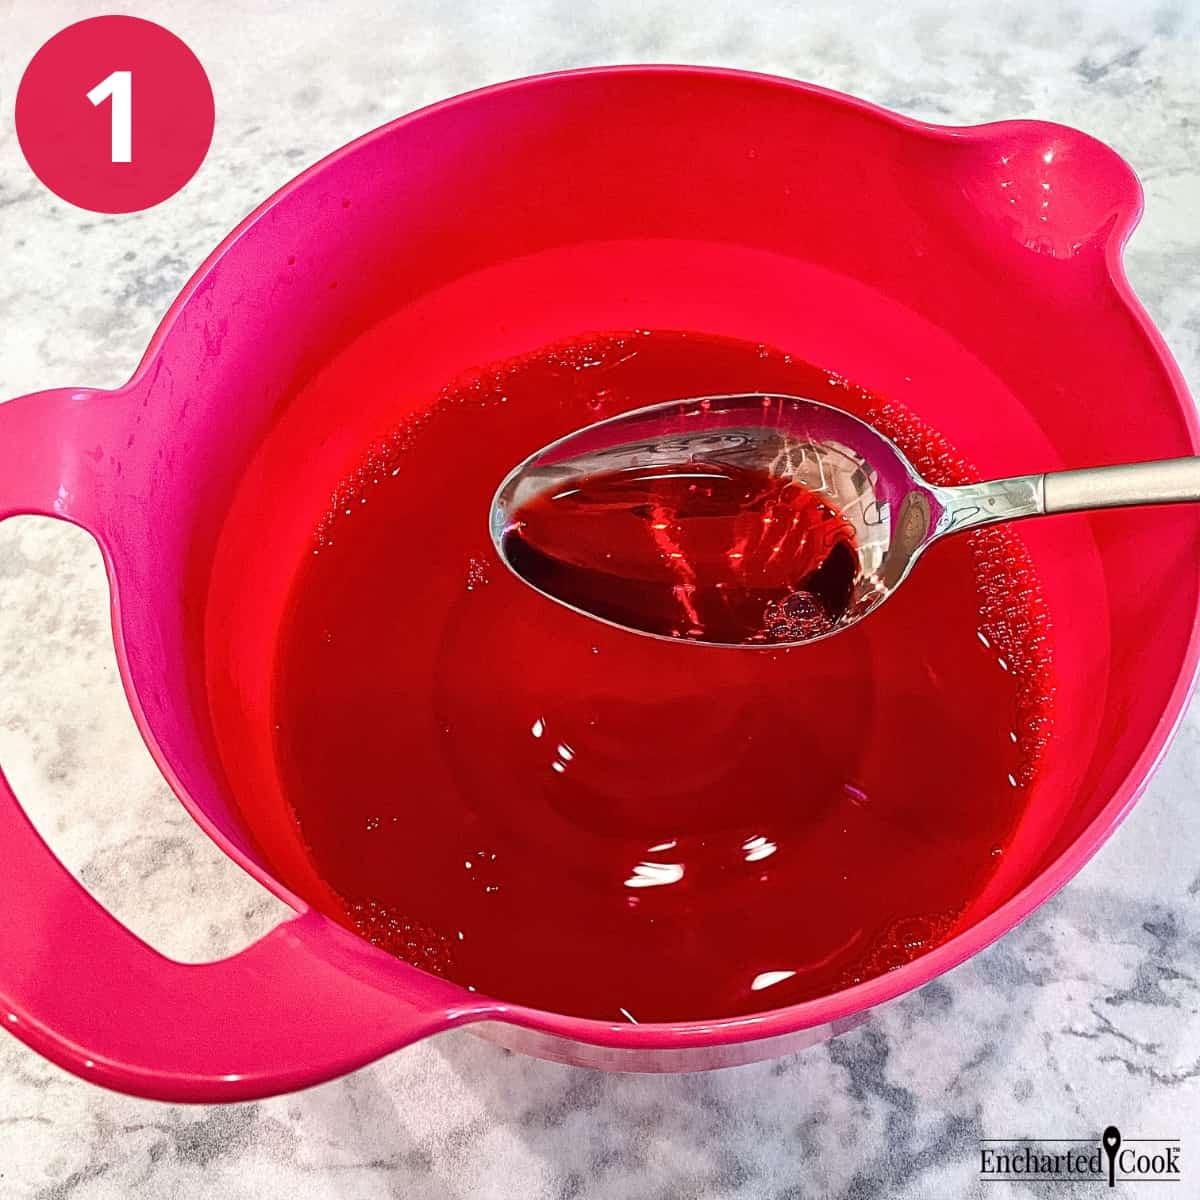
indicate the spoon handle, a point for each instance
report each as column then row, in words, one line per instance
column 1169, row 481
column 985, row 503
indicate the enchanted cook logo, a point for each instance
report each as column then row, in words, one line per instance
column 1110, row 1159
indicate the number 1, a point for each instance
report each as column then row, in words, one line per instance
column 118, row 87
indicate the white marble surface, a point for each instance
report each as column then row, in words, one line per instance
column 1087, row 1014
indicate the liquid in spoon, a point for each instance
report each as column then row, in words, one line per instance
column 694, row 550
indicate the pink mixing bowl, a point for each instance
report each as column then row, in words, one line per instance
column 974, row 273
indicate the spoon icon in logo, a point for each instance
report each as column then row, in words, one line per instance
column 1111, row 1141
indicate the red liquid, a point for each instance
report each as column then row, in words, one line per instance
column 694, row 550
column 557, row 812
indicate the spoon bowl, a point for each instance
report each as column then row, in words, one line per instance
column 847, row 463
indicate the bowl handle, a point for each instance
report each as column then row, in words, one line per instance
column 307, row 1002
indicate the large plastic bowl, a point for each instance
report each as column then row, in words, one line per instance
column 973, row 273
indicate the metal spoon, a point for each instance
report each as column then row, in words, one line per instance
column 896, row 514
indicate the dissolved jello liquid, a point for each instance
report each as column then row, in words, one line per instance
column 554, row 811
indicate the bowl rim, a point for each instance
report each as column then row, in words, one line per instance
column 835, row 1007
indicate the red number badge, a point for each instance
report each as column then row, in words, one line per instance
column 114, row 114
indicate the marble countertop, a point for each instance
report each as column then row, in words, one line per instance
column 1085, row 1015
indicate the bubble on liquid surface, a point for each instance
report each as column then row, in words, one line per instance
column 900, row 941
column 797, row 618
column 400, row 935
column 477, row 573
